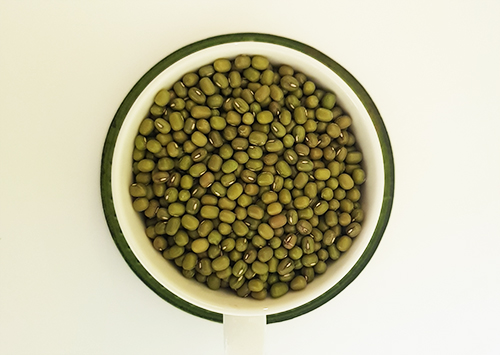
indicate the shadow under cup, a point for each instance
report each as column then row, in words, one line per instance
column 127, row 227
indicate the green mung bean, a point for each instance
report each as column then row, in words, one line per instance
column 248, row 177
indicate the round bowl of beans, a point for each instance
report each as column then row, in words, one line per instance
column 247, row 174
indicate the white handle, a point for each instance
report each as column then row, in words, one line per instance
column 244, row 335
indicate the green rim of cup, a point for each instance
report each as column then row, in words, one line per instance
column 107, row 198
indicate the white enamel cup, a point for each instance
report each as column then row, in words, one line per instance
column 241, row 315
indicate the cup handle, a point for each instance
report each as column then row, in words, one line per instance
column 244, row 335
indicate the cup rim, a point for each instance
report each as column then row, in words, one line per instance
column 110, row 142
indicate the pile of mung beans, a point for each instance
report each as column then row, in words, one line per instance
column 248, row 177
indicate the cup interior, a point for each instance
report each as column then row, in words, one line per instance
column 163, row 271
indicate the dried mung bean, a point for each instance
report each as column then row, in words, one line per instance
column 278, row 289
column 249, row 177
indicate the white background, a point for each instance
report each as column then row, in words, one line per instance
column 433, row 70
